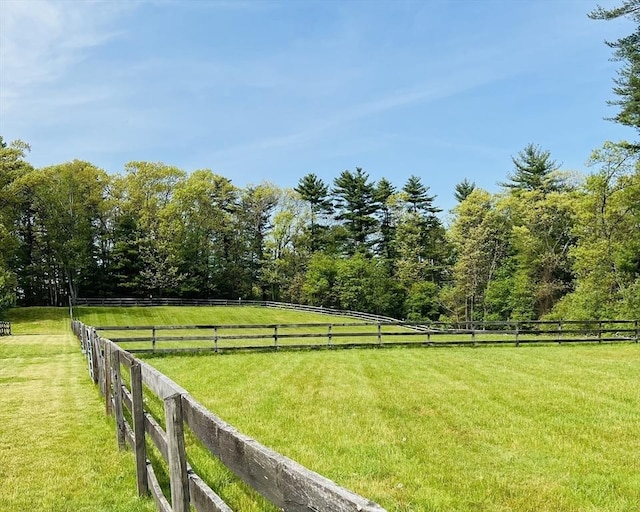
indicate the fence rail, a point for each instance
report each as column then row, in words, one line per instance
column 219, row 338
column 147, row 302
column 5, row 329
column 282, row 481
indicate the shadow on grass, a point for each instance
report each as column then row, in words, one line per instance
column 38, row 320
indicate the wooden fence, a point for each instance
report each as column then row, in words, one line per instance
column 219, row 338
column 282, row 481
column 5, row 329
column 145, row 302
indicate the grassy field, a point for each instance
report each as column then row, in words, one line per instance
column 197, row 315
column 57, row 448
column 488, row 429
column 550, row 428
column 230, row 315
column 265, row 337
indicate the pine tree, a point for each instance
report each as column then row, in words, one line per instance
column 464, row 189
column 313, row 190
column 534, row 170
column 417, row 196
column 627, row 50
column 384, row 192
column 356, row 204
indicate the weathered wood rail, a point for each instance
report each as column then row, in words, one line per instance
column 5, row 329
column 146, row 302
column 220, row 338
column 282, row 481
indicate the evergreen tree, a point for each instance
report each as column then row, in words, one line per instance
column 356, row 204
column 627, row 50
column 463, row 189
column 313, row 190
column 417, row 196
column 534, row 170
column 384, row 194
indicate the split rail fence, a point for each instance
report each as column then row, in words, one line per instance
column 146, row 302
column 5, row 329
column 221, row 338
column 282, row 481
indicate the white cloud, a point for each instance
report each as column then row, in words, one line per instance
column 41, row 39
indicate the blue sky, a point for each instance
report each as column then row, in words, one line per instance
column 273, row 90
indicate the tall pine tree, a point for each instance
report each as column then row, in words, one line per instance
column 356, row 205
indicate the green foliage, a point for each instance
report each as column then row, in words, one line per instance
column 544, row 246
column 364, row 284
column 319, row 288
column 314, row 191
column 534, row 170
column 627, row 50
column 355, row 205
column 8, row 284
column 606, row 257
column 464, row 189
column 385, row 195
column 417, row 197
column 422, row 302
column 481, row 238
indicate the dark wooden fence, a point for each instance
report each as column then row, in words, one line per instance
column 132, row 301
column 282, row 481
column 5, row 329
column 219, row 338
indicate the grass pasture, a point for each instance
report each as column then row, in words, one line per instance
column 489, row 429
column 295, row 328
column 535, row 428
column 57, row 448
column 220, row 315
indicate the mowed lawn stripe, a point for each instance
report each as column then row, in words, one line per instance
column 494, row 428
column 198, row 315
column 57, row 448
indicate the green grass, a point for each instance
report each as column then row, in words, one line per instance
column 197, row 315
column 488, row 429
column 58, row 450
column 233, row 315
column 38, row 320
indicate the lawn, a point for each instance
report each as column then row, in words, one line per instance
column 197, row 315
column 535, row 428
column 490, row 429
column 223, row 337
column 57, row 448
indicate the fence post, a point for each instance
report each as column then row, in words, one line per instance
column 107, row 379
column 517, row 334
column 330, row 336
column 137, row 414
column 379, row 334
column 99, row 358
column 637, row 331
column 275, row 336
column 560, row 332
column 90, row 358
column 600, row 331
column 95, row 355
column 104, row 369
column 179, row 479
column 153, row 339
column 117, row 398
column 215, row 338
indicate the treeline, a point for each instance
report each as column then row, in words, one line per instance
column 546, row 244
